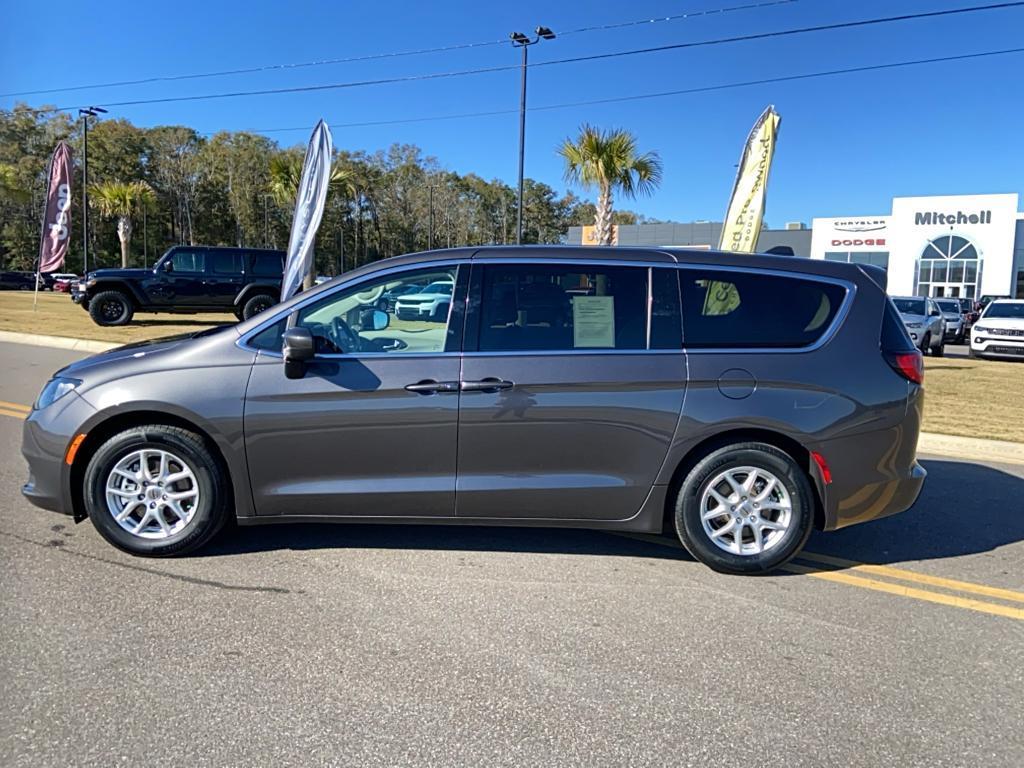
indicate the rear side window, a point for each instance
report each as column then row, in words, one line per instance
column 539, row 307
column 226, row 262
column 267, row 265
column 726, row 309
column 894, row 333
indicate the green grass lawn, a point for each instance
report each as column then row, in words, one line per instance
column 973, row 398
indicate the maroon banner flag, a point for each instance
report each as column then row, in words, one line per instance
column 57, row 218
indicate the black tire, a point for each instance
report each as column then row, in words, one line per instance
column 940, row 350
column 760, row 456
column 256, row 304
column 926, row 343
column 111, row 308
column 440, row 314
column 239, row 313
column 210, row 514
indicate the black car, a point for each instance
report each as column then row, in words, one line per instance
column 17, row 281
column 186, row 279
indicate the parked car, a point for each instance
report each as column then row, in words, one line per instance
column 709, row 392
column 987, row 299
column 431, row 303
column 999, row 331
column 970, row 314
column 17, row 281
column 924, row 322
column 62, row 281
column 955, row 326
column 388, row 300
column 186, row 279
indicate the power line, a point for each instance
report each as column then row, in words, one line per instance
column 572, row 60
column 661, row 94
column 394, row 54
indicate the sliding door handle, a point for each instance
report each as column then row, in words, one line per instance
column 431, row 387
column 487, row 385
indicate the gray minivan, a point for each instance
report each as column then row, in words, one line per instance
column 740, row 400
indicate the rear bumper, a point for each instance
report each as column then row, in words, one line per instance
column 874, row 474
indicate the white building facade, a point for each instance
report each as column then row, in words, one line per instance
column 952, row 245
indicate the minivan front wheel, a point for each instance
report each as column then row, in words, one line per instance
column 156, row 491
column 745, row 508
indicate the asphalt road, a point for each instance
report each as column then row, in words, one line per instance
column 377, row 645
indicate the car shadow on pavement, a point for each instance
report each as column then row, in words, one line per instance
column 964, row 509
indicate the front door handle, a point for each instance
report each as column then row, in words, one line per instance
column 431, row 387
column 487, row 385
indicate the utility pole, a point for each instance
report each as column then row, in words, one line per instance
column 85, row 115
column 430, row 220
column 519, row 40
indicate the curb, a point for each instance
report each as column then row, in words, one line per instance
column 57, row 342
column 967, row 448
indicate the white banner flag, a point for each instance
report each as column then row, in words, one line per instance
column 309, row 209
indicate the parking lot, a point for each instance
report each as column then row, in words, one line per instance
column 900, row 642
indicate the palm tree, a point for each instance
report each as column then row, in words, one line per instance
column 286, row 174
column 122, row 200
column 609, row 161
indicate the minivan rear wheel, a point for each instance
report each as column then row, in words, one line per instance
column 745, row 508
column 156, row 491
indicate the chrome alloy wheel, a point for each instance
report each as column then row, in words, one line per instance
column 152, row 493
column 745, row 510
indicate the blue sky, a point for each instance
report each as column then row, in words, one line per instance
column 847, row 143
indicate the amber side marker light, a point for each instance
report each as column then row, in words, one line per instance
column 69, row 457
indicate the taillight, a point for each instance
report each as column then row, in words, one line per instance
column 909, row 365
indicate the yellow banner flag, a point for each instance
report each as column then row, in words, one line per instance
column 742, row 225
column 746, row 206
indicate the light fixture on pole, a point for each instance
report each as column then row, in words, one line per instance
column 519, row 40
column 85, row 114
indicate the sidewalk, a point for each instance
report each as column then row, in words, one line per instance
column 930, row 443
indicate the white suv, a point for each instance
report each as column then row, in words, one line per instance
column 432, row 303
column 999, row 332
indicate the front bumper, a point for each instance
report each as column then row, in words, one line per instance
column 45, row 438
column 1011, row 347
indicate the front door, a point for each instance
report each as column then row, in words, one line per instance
column 183, row 285
column 371, row 429
column 570, row 396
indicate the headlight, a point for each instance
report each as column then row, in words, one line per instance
column 913, row 325
column 54, row 390
column 980, row 329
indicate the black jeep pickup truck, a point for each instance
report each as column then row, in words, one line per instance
column 187, row 279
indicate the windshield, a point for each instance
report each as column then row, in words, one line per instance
column 910, row 306
column 949, row 306
column 1009, row 310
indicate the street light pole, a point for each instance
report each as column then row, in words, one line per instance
column 430, row 219
column 519, row 40
column 86, row 114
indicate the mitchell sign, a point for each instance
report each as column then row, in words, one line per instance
column 929, row 218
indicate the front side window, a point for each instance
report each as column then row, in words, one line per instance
column 188, row 261
column 383, row 316
column 540, row 307
column 725, row 309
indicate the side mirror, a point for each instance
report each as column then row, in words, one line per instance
column 298, row 348
column 374, row 320
column 167, row 266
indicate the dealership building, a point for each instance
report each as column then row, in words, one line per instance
column 955, row 245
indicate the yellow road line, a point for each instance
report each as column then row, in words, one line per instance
column 918, row 594
column 852, row 580
column 918, row 578
column 13, row 414
column 15, row 406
